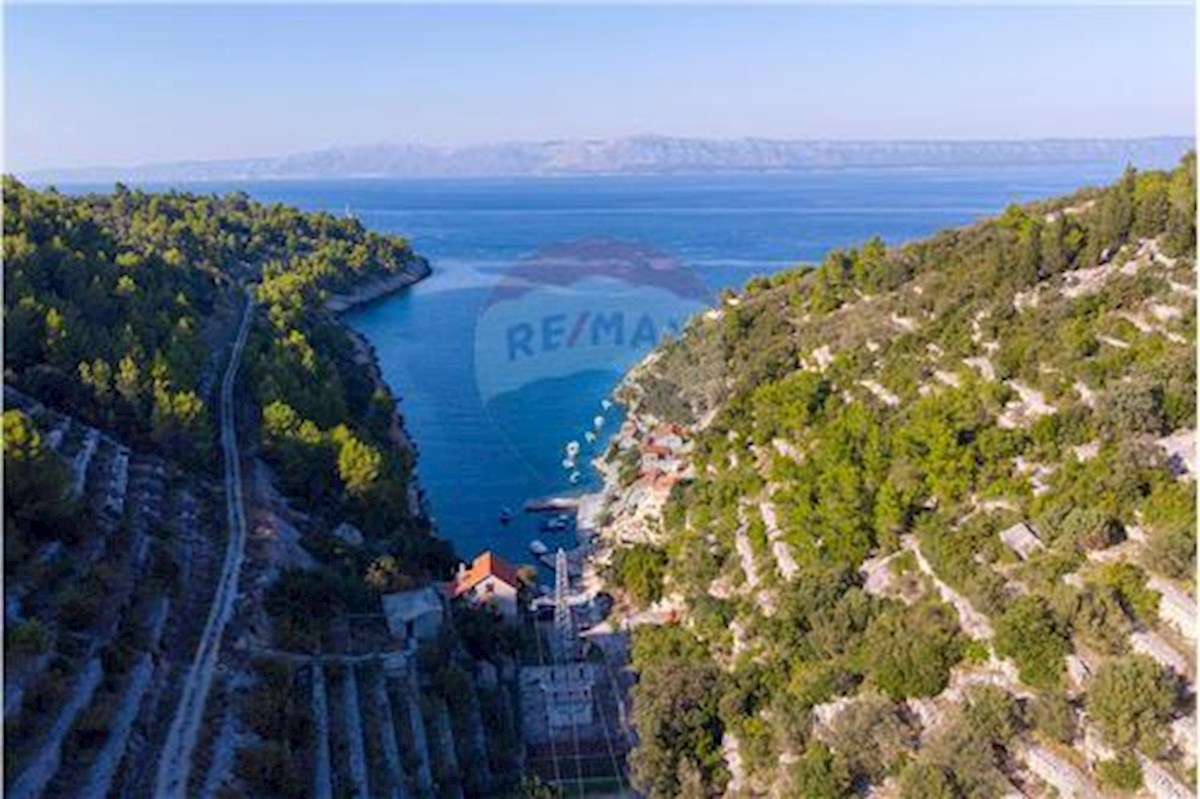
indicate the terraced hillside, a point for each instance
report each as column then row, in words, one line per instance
column 193, row 565
column 920, row 521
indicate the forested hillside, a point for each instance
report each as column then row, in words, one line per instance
column 121, row 314
column 932, row 529
column 119, row 308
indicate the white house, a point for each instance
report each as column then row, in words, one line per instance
column 490, row 580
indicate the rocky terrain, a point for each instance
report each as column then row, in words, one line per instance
column 894, row 527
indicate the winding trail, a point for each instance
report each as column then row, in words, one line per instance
column 175, row 763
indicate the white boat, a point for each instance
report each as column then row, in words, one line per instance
column 598, row 422
column 589, row 436
column 538, row 548
column 556, row 524
column 605, row 404
column 574, row 478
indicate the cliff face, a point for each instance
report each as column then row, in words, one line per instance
column 859, row 508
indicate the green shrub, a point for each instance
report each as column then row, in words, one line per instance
column 28, row 637
column 1031, row 634
column 1121, row 773
column 1053, row 715
column 639, row 570
column 821, row 773
column 1131, row 699
column 912, row 650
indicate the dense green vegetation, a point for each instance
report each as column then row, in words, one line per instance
column 926, row 396
column 37, row 504
column 639, row 570
column 120, row 309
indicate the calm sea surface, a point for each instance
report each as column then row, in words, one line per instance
column 494, row 384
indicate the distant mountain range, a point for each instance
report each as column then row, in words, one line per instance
column 641, row 155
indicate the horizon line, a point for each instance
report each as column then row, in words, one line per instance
column 183, row 161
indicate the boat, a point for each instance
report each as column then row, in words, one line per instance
column 575, row 477
column 556, row 524
column 506, row 515
column 538, row 548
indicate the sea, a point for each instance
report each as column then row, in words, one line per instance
column 545, row 290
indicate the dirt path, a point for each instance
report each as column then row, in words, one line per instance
column 175, row 764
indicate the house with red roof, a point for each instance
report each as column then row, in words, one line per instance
column 489, row 580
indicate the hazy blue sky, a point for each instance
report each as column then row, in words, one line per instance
column 130, row 84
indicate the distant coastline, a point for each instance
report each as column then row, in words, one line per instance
column 633, row 156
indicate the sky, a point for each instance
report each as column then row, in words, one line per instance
column 119, row 85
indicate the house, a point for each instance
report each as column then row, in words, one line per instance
column 1020, row 538
column 490, row 580
column 414, row 615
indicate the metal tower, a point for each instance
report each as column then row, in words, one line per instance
column 564, row 627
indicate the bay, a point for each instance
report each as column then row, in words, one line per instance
column 493, row 432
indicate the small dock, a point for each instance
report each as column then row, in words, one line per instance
column 552, row 504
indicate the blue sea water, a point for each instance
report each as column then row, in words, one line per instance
column 490, row 437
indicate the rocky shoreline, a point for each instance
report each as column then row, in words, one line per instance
column 367, row 358
column 377, row 288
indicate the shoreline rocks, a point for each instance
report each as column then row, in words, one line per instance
column 366, row 357
column 377, row 288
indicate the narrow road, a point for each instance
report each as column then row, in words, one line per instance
column 175, row 763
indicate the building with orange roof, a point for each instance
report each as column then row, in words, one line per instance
column 490, row 580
